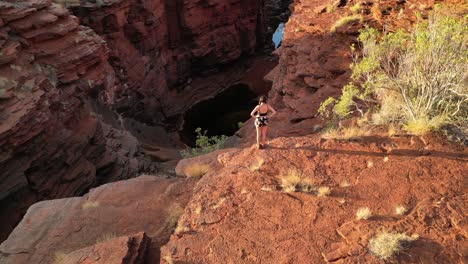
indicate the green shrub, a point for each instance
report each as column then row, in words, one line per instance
column 415, row 79
column 204, row 144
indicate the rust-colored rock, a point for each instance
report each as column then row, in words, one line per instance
column 61, row 227
column 159, row 47
column 239, row 214
column 122, row 250
column 51, row 145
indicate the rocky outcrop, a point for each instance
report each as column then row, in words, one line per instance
column 51, row 144
column 158, row 47
column 239, row 209
column 314, row 61
column 240, row 214
column 101, row 225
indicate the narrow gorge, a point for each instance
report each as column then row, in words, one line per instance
column 99, row 97
column 101, row 92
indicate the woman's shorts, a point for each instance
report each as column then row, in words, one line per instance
column 261, row 121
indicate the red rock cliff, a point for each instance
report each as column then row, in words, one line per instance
column 159, row 44
column 51, row 145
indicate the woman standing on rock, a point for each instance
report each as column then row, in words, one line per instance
column 260, row 113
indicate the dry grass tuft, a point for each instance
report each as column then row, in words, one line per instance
column 106, row 237
column 363, row 213
column 345, row 184
column 181, row 229
column 370, row 164
column 330, row 8
column 323, row 191
column 197, row 170
column 290, row 180
column 89, row 205
column 385, row 245
column 385, row 159
column 168, row 259
column 400, row 210
column 258, row 163
column 422, row 126
column 345, row 21
column 356, row 8
column 266, row 189
column 306, row 186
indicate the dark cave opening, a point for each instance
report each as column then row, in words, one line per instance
column 221, row 114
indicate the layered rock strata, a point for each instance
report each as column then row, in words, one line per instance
column 51, row 144
column 158, row 47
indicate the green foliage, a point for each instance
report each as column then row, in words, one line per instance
column 240, row 125
column 343, row 108
column 416, row 79
column 204, row 144
column 325, row 106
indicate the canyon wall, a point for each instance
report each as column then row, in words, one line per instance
column 141, row 56
column 157, row 47
column 51, row 144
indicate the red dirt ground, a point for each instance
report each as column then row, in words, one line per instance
column 240, row 215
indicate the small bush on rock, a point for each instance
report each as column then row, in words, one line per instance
column 204, row 144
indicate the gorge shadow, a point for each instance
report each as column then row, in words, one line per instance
column 223, row 114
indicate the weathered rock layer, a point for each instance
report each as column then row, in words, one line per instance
column 158, row 46
column 51, row 144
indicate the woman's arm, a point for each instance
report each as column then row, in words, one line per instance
column 272, row 110
column 252, row 114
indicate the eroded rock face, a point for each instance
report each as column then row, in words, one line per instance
column 157, row 45
column 51, row 145
column 100, row 223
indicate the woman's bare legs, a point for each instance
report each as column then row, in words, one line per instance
column 264, row 135
column 259, row 136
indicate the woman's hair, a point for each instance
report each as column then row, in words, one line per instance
column 262, row 99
